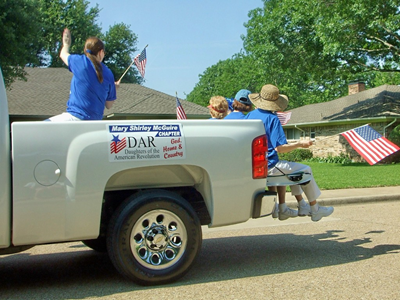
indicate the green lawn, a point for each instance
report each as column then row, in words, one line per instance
column 336, row 176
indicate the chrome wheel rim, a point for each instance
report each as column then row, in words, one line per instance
column 158, row 239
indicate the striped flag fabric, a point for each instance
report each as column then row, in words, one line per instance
column 284, row 117
column 117, row 145
column 140, row 62
column 180, row 113
column 370, row 144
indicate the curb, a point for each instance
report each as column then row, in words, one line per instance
column 350, row 200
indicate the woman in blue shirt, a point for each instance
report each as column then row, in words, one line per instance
column 92, row 84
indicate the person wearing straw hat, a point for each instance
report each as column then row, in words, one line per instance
column 268, row 102
column 241, row 103
column 92, row 85
column 218, row 107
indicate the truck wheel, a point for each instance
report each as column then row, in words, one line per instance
column 99, row 244
column 154, row 237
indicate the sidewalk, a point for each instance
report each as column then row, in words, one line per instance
column 348, row 196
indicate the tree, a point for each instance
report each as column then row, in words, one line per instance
column 20, row 36
column 59, row 14
column 31, row 32
column 282, row 48
column 224, row 78
column 120, row 44
column 312, row 49
column 365, row 34
column 284, row 42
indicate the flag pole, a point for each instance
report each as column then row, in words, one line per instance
column 119, row 80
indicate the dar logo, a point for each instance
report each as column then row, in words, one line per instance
column 117, row 145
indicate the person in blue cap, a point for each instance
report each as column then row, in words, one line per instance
column 240, row 104
column 92, row 86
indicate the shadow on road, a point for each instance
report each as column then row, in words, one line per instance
column 80, row 274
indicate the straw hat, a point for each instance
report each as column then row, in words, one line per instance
column 269, row 99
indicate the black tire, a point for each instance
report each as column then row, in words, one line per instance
column 154, row 237
column 99, row 244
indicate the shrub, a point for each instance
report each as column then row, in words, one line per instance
column 296, row 155
column 341, row 159
column 394, row 136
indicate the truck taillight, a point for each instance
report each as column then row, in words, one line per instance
column 259, row 159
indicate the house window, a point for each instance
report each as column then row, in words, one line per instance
column 292, row 134
column 312, row 133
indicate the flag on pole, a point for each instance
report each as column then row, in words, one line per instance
column 370, row 144
column 180, row 113
column 140, row 62
column 284, row 117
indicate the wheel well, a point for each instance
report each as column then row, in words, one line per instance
column 112, row 199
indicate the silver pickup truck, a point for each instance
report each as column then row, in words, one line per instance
column 139, row 190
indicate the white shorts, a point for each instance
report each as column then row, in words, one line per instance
column 64, row 117
column 311, row 189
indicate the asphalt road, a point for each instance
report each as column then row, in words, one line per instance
column 354, row 254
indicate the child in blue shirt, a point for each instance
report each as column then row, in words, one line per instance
column 240, row 104
column 269, row 101
column 218, row 107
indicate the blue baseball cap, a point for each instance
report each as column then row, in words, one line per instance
column 243, row 97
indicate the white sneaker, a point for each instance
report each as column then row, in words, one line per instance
column 322, row 212
column 304, row 210
column 287, row 213
column 275, row 212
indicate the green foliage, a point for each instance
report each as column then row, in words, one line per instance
column 363, row 33
column 73, row 14
column 394, row 136
column 311, row 50
column 225, row 78
column 340, row 159
column 381, row 78
column 296, row 155
column 284, row 42
column 19, row 36
column 120, row 43
column 31, row 32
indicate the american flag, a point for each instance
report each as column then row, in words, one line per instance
column 117, row 145
column 284, row 117
column 370, row 144
column 140, row 62
column 180, row 113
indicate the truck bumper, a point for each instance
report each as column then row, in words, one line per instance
column 264, row 203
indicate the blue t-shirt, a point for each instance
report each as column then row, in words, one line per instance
column 273, row 129
column 87, row 95
column 235, row 115
column 230, row 102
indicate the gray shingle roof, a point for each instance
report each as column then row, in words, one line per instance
column 46, row 92
column 382, row 101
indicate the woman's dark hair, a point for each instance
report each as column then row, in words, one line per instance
column 93, row 46
column 236, row 105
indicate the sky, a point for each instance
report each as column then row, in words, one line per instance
column 184, row 37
